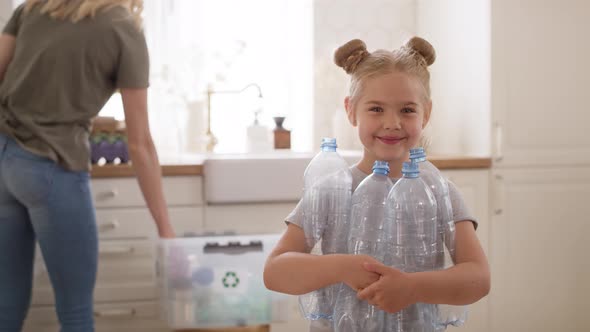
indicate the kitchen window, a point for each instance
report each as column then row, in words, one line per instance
column 226, row 45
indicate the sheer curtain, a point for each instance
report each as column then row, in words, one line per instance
column 226, row 45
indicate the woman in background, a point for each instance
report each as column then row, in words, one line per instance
column 60, row 61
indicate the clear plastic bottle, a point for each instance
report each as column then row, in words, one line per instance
column 440, row 188
column 411, row 226
column 447, row 314
column 364, row 237
column 326, row 210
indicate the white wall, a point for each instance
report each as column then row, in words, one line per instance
column 5, row 12
column 461, row 76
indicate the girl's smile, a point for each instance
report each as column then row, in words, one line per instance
column 390, row 140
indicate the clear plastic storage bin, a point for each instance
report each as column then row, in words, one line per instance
column 216, row 281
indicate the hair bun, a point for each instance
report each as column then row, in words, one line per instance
column 350, row 55
column 422, row 47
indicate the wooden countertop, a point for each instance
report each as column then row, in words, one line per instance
column 461, row 162
column 119, row 171
column 194, row 167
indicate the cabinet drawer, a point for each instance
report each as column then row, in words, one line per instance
column 125, row 223
column 125, row 272
column 120, row 317
column 121, row 223
column 295, row 321
column 103, row 293
column 178, row 190
column 248, row 218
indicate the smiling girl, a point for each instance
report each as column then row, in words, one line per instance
column 389, row 103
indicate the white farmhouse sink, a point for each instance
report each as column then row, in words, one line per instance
column 265, row 177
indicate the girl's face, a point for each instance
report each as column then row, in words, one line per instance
column 390, row 113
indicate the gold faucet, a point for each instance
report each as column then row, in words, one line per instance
column 211, row 140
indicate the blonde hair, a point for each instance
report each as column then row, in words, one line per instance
column 76, row 10
column 412, row 58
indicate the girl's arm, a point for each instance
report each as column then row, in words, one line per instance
column 7, row 45
column 144, row 158
column 291, row 269
column 464, row 283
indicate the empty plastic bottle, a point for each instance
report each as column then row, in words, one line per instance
column 447, row 314
column 412, row 229
column 365, row 236
column 440, row 188
column 325, row 209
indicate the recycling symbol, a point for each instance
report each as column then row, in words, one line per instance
column 230, row 280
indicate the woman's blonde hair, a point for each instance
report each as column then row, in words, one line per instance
column 76, row 10
column 412, row 58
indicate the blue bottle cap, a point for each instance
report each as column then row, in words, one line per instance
column 381, row 167
column 328, row 144
column 410, row 169
column 417, row 154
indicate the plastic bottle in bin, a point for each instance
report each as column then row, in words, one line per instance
column 365, row 236
column 174, row 270
column 411, row 229
column 325, row 210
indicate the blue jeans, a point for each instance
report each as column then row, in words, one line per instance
column 41, row 201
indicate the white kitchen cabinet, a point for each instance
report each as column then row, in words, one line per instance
column 126, row 296
column 119, row 317
column 541, row 171
column 539, row 250
column 259, row 218
column 540, row 78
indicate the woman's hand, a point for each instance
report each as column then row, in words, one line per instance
column 355, row 275
column 166, row 233
column 394, row 291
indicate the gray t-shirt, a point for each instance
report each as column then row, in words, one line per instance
column 460, row 213
column 61, row 75
column 460, row 210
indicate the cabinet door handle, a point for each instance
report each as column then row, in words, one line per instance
column 498, row 142
column 108, row 225
column 107, row 194
column 116, row 250
column 115, row 313
column 497, row 194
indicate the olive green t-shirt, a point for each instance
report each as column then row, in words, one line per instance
column 62, row 74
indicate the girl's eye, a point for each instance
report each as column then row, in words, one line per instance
column 376, row 109
column 408, row 110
